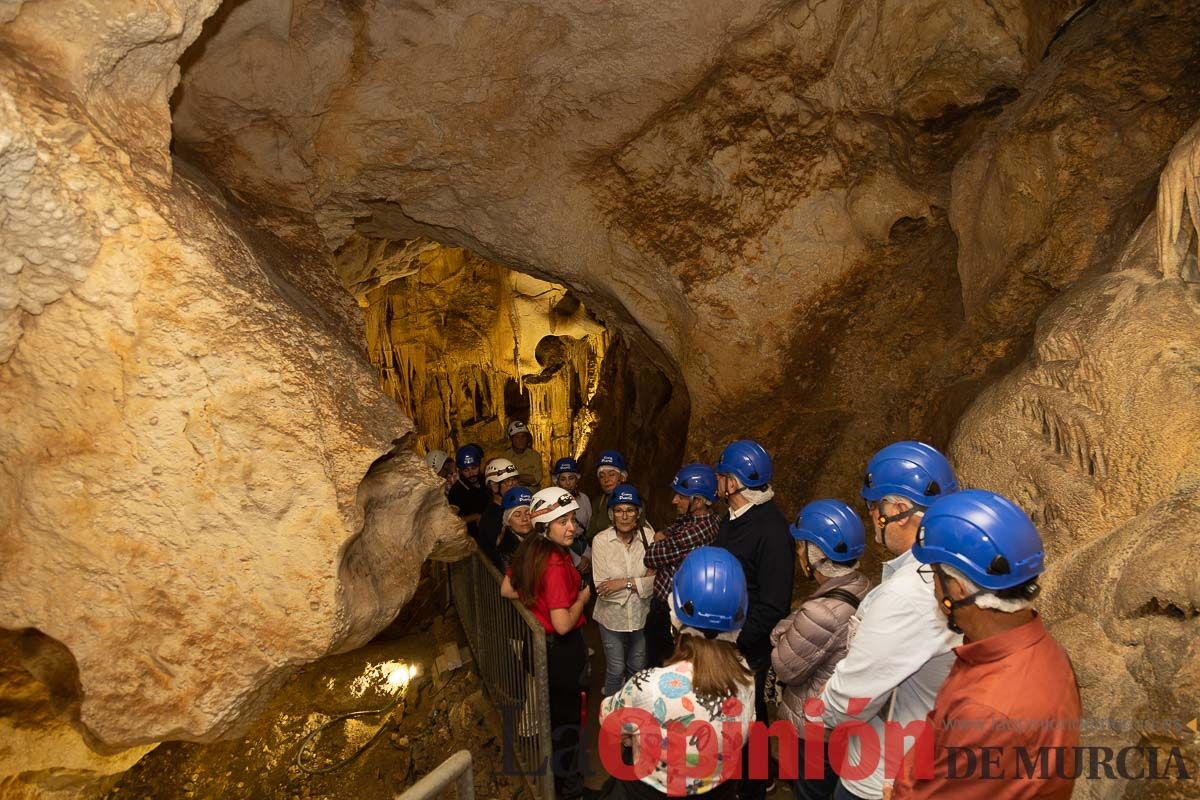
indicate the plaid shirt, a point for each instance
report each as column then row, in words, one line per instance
column 679, row 538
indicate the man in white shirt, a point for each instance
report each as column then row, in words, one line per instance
column 900, row 648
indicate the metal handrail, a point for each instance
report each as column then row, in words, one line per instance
column 456, row 768
column 510, row 655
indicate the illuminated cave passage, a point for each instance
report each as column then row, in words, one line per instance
column 257, row 258
column 465, row 346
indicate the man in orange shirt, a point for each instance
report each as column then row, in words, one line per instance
column 1006, row 721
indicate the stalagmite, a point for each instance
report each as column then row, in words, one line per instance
column 1179, row 210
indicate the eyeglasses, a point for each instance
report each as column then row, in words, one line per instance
column 625, row 511
column 926, row 572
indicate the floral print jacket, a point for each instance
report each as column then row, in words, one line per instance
column 666, row 694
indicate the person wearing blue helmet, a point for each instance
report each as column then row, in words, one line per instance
column 694, row 491
column 623, row 587
column 757, row 533
column 516, row 524
column 610, row 472
column 566, row 474
column 1012, row 688
column 901, row 650
column 469, row 497
column 901, row 481
column 704, row 680
column 810, row 642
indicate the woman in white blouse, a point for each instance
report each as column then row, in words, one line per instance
column 623, row 587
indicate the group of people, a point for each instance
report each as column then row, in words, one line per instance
column 696, row 621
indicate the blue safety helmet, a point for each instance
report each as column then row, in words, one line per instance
column 468, row 455
column 709, row 591
column 565, row 465
column 983, row 535
column 611, row 458
column 833, row 527
column 748, row 461
column 696, row 480
column 912, row 470
column 624, row 495
column 516, row 496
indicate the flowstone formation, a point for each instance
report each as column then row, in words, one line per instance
column 461, row 343
column 186, row 420
column 1097, row 436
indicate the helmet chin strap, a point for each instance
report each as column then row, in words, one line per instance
column 886, row 519
column 951, row 605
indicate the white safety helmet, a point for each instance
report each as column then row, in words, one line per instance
column 515, row 427
column 550, row 504
column 436, row 459
column 499, row 470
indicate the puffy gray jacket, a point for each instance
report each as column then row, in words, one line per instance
column 810, row 642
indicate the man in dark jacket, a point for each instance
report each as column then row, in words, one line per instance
column 756, row 531
column 468, row 496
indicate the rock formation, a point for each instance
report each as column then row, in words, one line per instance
column 1097, row 436
column 822, row 223
column 184, row 420
column 461, row 342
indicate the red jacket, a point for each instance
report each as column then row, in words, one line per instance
column 1008, row 701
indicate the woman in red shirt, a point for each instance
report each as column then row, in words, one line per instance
column 543, row 578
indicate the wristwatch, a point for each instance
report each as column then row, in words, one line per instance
column 628, row 584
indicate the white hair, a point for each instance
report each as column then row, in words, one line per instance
column 822, row 564
column 897, row 499
column 756, row 497
column 987, row 599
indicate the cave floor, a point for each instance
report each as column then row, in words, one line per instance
column 440, row 715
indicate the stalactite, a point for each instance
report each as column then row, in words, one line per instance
column 447, row 330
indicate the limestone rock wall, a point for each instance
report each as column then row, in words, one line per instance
column 754, row 160
column 1097, row 436
column 183, row 433
column 823, row 223
column 44, row 757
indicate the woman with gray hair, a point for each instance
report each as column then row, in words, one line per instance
column 810, row 642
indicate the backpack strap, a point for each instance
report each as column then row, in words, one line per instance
column 844, row 596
